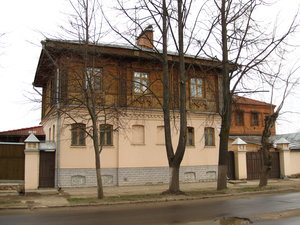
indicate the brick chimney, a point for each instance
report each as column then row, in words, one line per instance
column 145, row 39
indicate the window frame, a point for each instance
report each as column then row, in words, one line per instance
column 93, row 76
column 78, row 134
column 209, row 134
column 140, row 84
column 190, row 136
column 195, row 87
column 106, row 129
column 239, row 118
column 254, row 118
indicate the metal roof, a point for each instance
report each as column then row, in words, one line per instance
column 32, row 139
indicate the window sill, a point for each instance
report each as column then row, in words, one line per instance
column 190, row 146
column 209, row 146
column 78, row 146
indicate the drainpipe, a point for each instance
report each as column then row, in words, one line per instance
column 58, row 120
column 58, row 127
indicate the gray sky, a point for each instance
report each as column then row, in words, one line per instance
column 25, row 21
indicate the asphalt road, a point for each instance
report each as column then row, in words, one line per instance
column 262, row 210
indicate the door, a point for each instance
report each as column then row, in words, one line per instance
column 231, row 167
column 47, row 169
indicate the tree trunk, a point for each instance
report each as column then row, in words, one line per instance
column 100, row 194
column 266, row 145
column 174, row 159
column 223, row 150
column 174, row 187
column 225, row 112
column 263, row 181
column 266, row 169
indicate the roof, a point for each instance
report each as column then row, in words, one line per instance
column 248, row 101
column 238, row 141
column 293, row 138
column 281, row 140
column 248, row 139
column 37, row 130
column 32, row 139
column 47, row 146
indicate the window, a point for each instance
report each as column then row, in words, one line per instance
column 93, row 78
column 106, row 134
column 140, row 82
column 49, row 137
column 53, row 132
column 209, row 134
column 138, row 134
column 239, row 118
column 190, row 136
column 78, row 134
column 254, row 119
column 196, row 86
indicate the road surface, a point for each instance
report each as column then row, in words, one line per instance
column 261, row 210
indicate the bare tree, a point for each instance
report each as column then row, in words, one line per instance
column 280, row 82
column 245, row 46
column 80, row 96
column 166, row 15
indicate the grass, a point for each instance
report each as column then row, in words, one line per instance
column 9, row 202
column 132, row 197
column 159, row 196
column 253, row 189
column 82, row 200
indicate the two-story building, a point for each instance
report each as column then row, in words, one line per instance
column 127, row 81
column 247, row 125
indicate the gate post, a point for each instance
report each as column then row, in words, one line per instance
column 284, row 156
column 32, row 162
column 240, row 159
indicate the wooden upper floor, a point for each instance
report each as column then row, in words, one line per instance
column 248, row 116
column 121, row 76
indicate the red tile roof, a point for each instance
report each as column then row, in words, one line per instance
column 249, row 101
column 38, row 130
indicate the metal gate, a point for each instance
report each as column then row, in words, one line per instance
column 12, row 161
column 47, row 169
column 255, row 164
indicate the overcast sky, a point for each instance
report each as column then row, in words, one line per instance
column 25, row 21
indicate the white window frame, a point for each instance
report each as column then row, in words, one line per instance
column 196, row 87
column 140, row 83
column 93, row 78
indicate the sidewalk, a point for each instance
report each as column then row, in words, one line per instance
column 43, row 198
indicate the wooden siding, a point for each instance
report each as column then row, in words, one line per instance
column 117, row 84
column 254, row 165
column 12, row 161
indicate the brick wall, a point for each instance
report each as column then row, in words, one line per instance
column 134, row 176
